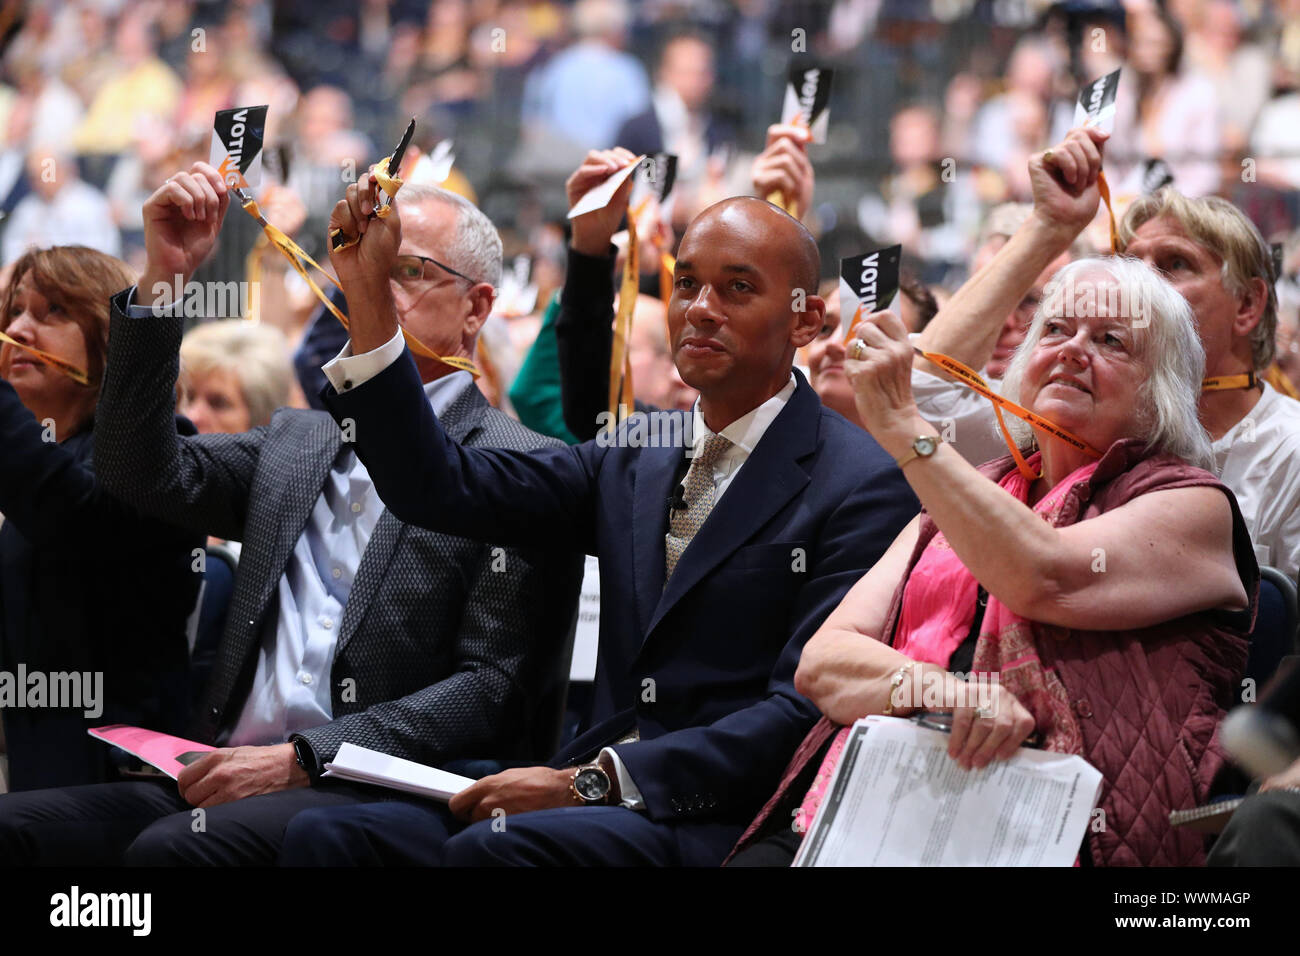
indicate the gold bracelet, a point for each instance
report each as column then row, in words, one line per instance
column 896, row 682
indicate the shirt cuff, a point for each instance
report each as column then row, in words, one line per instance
column 346, row 371
column 631, row 795
column 134, row 311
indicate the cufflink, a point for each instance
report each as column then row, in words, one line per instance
column 347, row 384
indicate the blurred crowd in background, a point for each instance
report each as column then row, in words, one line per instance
column 935, row 107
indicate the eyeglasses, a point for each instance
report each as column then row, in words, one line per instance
column 410, row 269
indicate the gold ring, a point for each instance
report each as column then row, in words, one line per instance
column 857, row 350
column 1047, row 157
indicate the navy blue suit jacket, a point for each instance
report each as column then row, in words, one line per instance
column 703, row 669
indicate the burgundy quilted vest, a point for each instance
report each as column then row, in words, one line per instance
column 1148, row 701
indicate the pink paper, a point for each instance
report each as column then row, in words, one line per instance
column 169, row 754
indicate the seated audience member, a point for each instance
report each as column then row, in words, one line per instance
column 1216, row 259
column 236, row 374
column 1265, row 829
column 89, row 586
column 61, row 209
column 680, row 119
column 584, row 326
column 536, row 392
column 1133, row 668
column 345, row 625
column 705, row 605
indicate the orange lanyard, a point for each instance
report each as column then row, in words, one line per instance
column 1223, row 383
column 973, row 381
column 53, row 361
column 620, row 360
column 1103, row 188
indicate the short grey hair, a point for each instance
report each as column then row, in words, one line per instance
column 1169, row 348
column 476, row 248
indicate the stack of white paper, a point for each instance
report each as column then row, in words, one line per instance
column 897, row 799
column 361, row 765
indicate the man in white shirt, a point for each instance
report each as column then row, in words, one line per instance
column 60, row 210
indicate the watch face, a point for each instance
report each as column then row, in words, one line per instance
column 925, row 446
column 592, row 784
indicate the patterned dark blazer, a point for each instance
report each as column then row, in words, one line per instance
column 447, row 646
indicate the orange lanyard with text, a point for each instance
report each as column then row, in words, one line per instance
column 973, row 381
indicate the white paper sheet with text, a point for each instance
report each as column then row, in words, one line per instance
column 897, row 799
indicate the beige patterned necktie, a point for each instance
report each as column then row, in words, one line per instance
column 698, row 492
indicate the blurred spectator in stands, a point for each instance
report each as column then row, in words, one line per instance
column 234, row 374
column 82, row 43
column 60, row 210
column 44, row 109
column 142, row 85
column 136, row 174
column 209, row 87
column 654, row 375
column 928, row 203
column 996, row 132
column 443, row 73
column 1163, row 110
column 328, row 153
column 1241, row 71
column 587, row 91
column 680, row 119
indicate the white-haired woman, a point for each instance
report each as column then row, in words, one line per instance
column 1111, row 596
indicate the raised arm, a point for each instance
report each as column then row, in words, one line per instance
column 1065, row 202
column 200, row 482
column 783, row 166
column 584, row 330
column 422, row 475
column 1167, row 553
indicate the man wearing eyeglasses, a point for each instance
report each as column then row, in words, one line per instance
column 345, row 625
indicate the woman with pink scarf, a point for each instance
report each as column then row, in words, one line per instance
column 1101, row 588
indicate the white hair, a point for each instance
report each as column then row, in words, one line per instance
column 1168, row 347
column 476, row 248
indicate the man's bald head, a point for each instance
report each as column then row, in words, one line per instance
column 798, row 247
